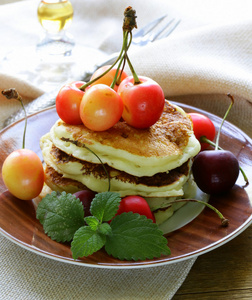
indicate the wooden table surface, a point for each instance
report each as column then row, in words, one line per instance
column 225, row 273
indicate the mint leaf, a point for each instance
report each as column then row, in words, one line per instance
column 93, row 222
column 134, row 237
column 45, row 205
column 86, row 241
column 104, row 228
column 61, row 215
column 105, row 205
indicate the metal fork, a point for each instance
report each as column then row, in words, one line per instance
column 151, row 32
column 155, row 30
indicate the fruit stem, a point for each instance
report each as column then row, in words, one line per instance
column 116, row 77
column 129, row 23
column 224, row 221
column 84, row 86
column 101, row 164
column 121, row 58
column 136, row 79
column 224, row 118
column 204, row 139
column 84, row 146
column 124, row 46
column 13, row 94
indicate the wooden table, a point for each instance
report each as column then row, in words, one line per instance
column 225, row 273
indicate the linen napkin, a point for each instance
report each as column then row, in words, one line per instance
column 207, row 56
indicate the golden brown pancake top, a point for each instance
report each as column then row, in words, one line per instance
column 166, row 137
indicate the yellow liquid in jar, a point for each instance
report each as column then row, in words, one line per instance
column 55, row 16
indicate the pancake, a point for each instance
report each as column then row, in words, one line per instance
column 94, row 177
column 57, row 182
column 154, row 163
column 140, row 152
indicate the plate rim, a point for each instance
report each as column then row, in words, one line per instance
column 137, row 265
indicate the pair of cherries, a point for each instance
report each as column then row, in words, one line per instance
column 215, row 172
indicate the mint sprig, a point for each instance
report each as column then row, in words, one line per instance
column 129, row 236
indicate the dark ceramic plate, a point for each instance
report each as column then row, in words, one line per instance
column 202, row 234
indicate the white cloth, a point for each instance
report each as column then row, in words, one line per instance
column 207, row 56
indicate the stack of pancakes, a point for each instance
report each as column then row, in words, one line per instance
column 154, row 163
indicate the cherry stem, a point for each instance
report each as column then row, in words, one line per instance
column 204, row 139
column 124, row 46
column 13, row 94
column 84, row 146
column 129, row 23
column 121, row 58
column 224, row 118
column 116, row 77
column 101, row 164
column 224, row 221
column 126, row 57
column 118, row 81
column 136, row 79
column 84, row 86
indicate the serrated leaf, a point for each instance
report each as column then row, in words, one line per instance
column 45, row 205
column 61, row 215
column 93, row 222
column 86, row 241
column 105, row 205
column 134, row 237
column 104, row 228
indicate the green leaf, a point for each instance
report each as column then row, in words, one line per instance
column 86, row 241
column 134, row 237
column 105, row 205
column 61, row 215
column 104, row 228
column 45, row 205
column 93, row 222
